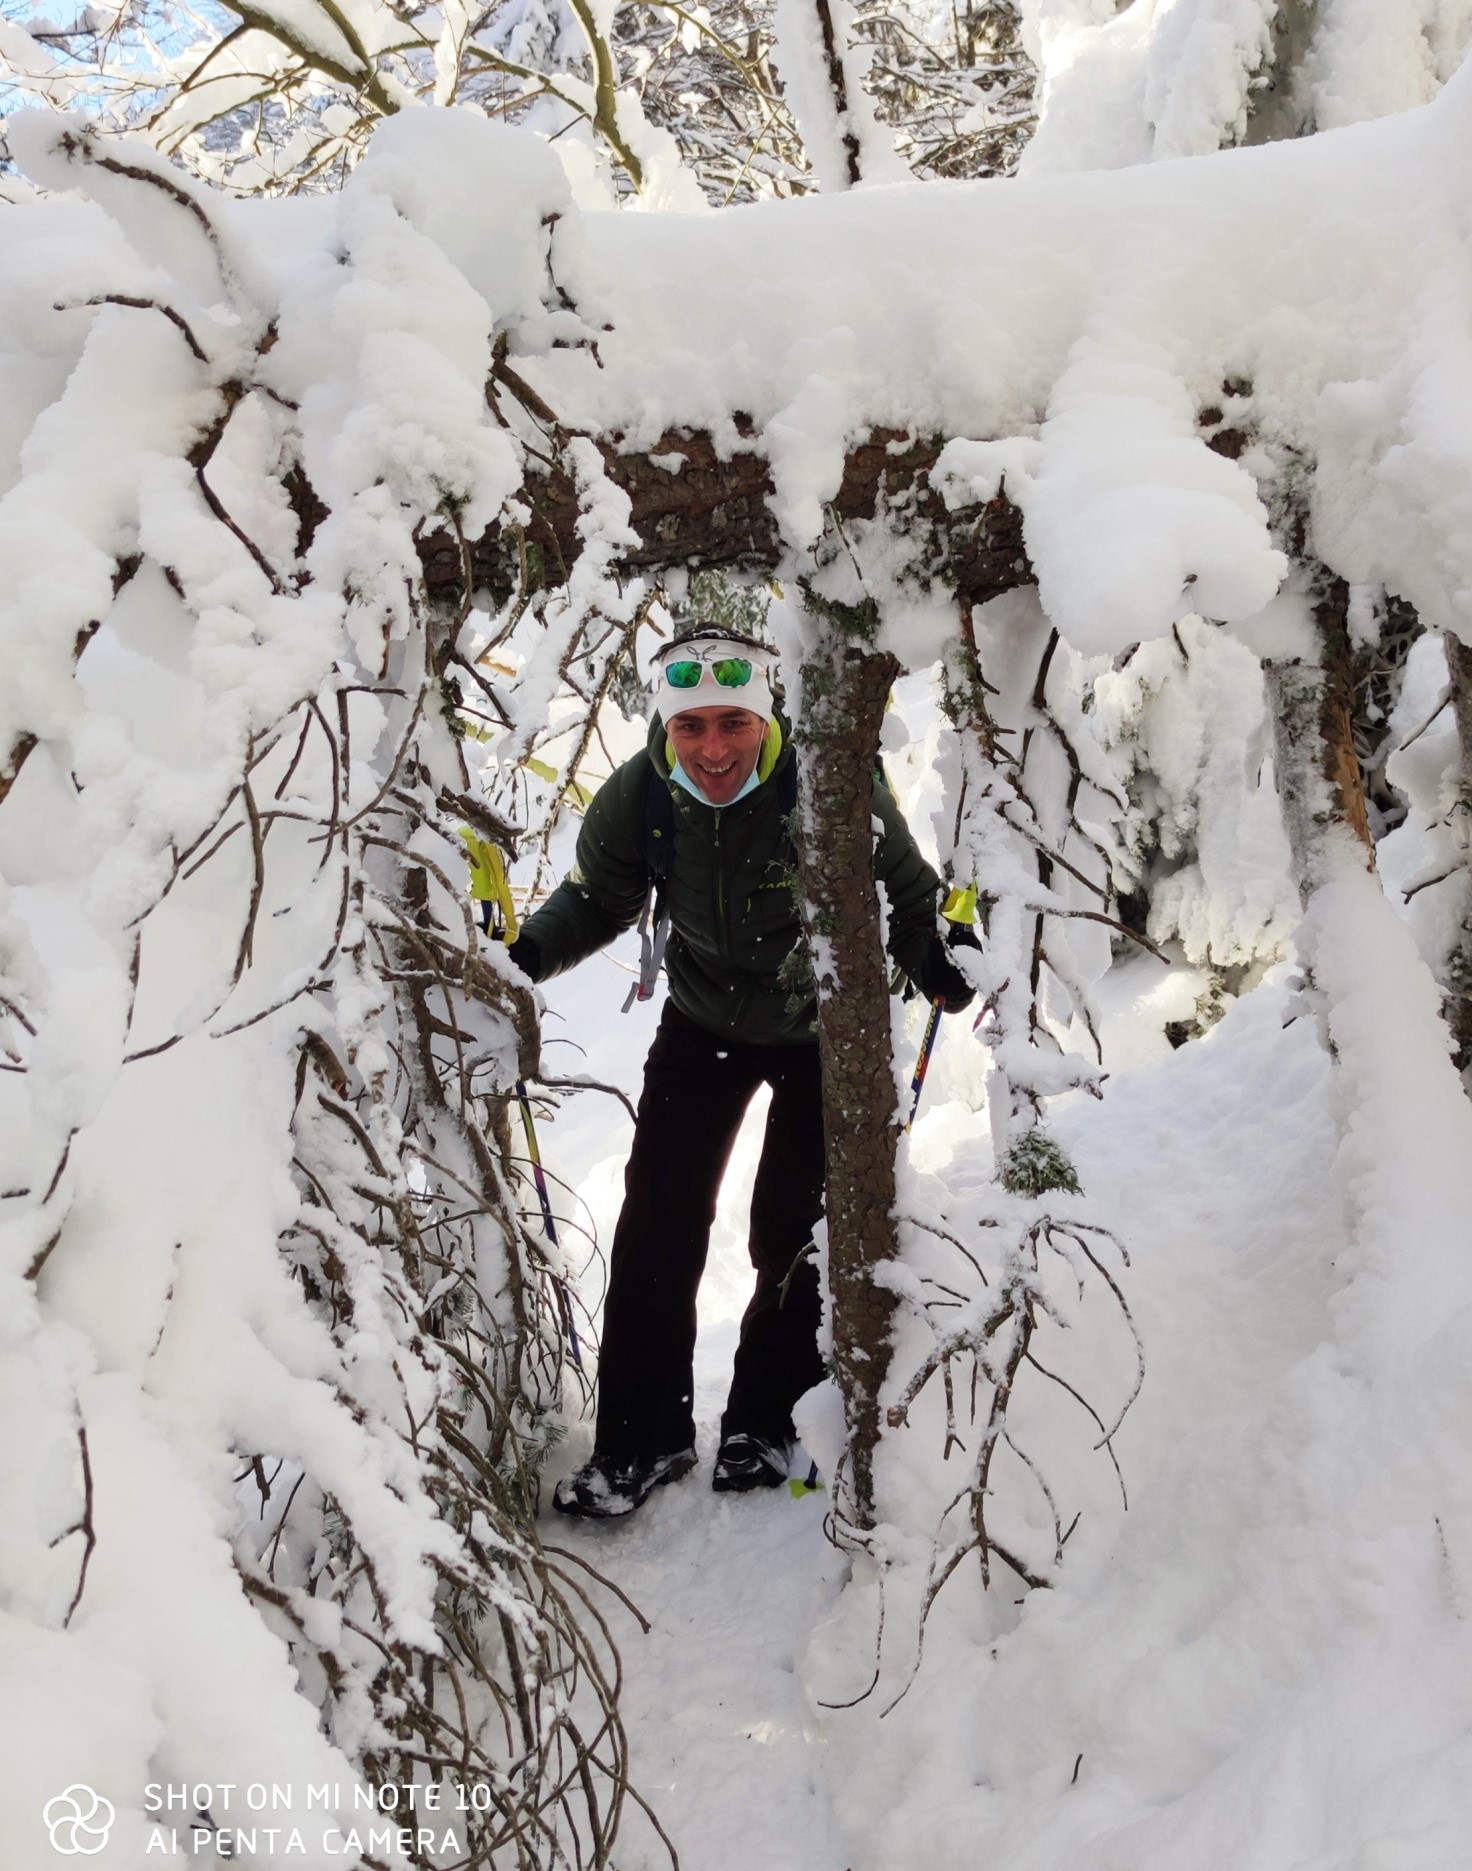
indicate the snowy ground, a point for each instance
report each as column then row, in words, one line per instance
column 1167, row 1663
column 725, row 1744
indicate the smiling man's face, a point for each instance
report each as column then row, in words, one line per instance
column 718, row 748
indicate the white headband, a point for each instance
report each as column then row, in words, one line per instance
column 754, row 695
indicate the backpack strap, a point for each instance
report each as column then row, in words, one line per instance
column 657, row 842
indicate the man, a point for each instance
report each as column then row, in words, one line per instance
column 717, row 748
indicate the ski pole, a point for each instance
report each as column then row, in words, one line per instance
column 927, row 1046
column 959, row 908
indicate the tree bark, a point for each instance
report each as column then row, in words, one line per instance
column 1275, row 108
column 838, row 88
column 844, row 690
column 16, row 755
column 692, row 508
column 1379, row 676
column 1458, row 983
column 1313, row 737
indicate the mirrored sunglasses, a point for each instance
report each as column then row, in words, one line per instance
column 731, row 672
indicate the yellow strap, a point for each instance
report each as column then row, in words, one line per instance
column 480, row 877
column 960, row 905
column 488, row 878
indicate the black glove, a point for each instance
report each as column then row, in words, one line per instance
column 523, row 951
column 939, row 978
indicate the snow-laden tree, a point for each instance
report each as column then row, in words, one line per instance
column 283, row 1357
column 1150, row 81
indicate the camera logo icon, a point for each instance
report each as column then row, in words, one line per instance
column 79, row 1821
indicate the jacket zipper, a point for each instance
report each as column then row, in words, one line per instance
column 721, row 931
column 740, row 997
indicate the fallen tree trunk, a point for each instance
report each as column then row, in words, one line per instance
column 692, row 509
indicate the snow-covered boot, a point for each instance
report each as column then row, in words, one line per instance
column 607, row 1487
column 746, row 1462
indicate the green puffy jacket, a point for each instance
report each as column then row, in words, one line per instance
column 733, row 916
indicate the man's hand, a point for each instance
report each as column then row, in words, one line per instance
column 939, row 977
column 521, row 951
column 524, row 954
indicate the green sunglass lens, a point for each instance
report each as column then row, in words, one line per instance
column 732, row 672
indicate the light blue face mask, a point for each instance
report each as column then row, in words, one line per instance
column 682, row 778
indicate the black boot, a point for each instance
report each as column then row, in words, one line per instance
column 746, row 1462
column 607, row 1487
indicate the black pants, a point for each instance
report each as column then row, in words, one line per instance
column 696, row 1090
